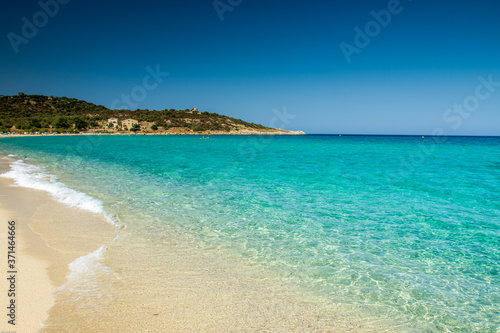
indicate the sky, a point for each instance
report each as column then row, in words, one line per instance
column 413, row 67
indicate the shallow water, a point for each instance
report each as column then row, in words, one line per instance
column 404, row 229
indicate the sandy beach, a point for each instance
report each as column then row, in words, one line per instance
column 276, row 132
column 48, row 238
column 180, row 289
column 33, row 285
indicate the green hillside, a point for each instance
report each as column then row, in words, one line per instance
column 36, row 113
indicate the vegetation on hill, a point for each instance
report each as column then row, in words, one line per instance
column 38, row 113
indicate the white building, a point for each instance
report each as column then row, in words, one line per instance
column 113, row 121
column 128, row 123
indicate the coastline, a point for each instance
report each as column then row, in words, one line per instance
column 169, row 264
column 172, row 131
column 177, row 288
column 48, row 239
column 33, row 285
column 273, row 133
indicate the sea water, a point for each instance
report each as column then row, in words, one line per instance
column 407, row 229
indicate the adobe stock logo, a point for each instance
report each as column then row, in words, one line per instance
column 225, row 6
column 40, row 19
column 454, row 117
column 139, row 93
column 372, row 29
column 471, row 103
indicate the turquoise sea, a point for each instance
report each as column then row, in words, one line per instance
column 407, row 228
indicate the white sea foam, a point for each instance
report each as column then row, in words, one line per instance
column 32, row 176
column 84, row 280
column 87, row 266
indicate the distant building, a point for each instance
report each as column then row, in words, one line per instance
column 113, row 121
column 128, row 123
column 194, row 109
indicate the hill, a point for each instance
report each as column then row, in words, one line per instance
column 39, row 113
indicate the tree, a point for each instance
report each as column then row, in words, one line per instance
column 154, row 127
column 62, row 122
column 135, row 128
column 199, row 129
column 35, row 123
column 80, row 123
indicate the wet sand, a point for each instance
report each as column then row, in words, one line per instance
column 33, row 287
column 49, row 236
column 143, row 283
column 173, row 288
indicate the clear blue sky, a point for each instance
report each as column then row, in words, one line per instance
column 269, row 55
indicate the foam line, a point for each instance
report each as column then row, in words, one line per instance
column 32, row 176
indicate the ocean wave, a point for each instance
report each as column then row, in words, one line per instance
column 88, row 266
column 84, row 285
column 8, row 157
column 32, row 176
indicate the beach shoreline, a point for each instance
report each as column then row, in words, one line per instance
column 175, row 132
column 47, row 240
column 184, row 288
column 33, row 287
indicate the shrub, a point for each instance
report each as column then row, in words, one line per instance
column 135, row 128
column 62, row 122
column 80, row 123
